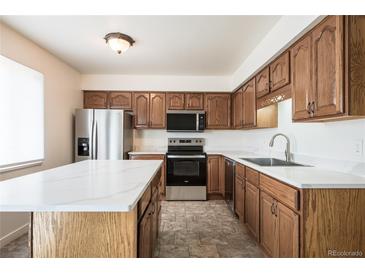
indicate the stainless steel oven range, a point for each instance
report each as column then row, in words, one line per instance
column 186, row 169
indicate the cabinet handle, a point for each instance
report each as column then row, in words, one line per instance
column 309, row 108
column 272, row 209
column 312, row 107
column 276, row 209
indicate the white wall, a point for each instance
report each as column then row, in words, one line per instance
column 286, row 31
column 154, row 82
column 328, row 145
column 62, row 95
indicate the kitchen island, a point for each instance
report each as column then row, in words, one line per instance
column 95, row 208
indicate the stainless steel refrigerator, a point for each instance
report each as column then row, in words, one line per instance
column 103, row 134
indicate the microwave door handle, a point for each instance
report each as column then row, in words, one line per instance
column 186, row 156
column 197, row 122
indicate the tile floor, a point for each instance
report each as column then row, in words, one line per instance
column 203, row 229
column 188, row 229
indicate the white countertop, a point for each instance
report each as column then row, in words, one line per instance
column 146, row 152
column 93, row 185
column 300, row 177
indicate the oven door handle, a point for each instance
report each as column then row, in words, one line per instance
column 186, row 156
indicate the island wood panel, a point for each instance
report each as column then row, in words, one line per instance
column 84, row 234
column 333, row 220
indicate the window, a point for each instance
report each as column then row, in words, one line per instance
column 21, row 115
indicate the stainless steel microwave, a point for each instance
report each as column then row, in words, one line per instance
column 184, row 120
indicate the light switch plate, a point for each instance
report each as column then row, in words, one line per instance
column 359, row 147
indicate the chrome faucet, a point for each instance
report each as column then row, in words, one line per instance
column 287, row 151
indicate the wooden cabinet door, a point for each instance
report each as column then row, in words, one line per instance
column 262, row 80
column 218, row 110
column 194, row 101
column 267, row 223
column 145, row 235
column 154, row 221
column 95, row 99
column 213, row 175
column 252, row 209
column 239, row 196
column 328, row 62
column 237, row 109
column 301, row 85
column 120, row 100
column 157, row 110
column 141, row 106
column 287, row 232
column 249, row 104
column 175, row 101
column 279, row 72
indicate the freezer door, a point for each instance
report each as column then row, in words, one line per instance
column 83, row 134
column 108, row 134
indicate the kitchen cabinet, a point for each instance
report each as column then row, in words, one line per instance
column 120, row 100
column 252, row 209
column 249, row 104
column 175, row 101
column 194, row 101
column 279, row 72
column 262, row 81
column 141, row 105
column 162, row 186
column 213, row 174
column 145, row 235
column 239, row 198
column 267, row 223
column 157, row 110
column 301, row 63
column 95, row 99
column 237, row 114
column 218, row 110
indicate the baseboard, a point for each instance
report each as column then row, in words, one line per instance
column 14, row 235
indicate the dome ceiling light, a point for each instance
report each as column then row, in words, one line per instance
column 119, row 42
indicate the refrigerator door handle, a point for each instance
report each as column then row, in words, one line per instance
column 92, row 139
column 96, row 141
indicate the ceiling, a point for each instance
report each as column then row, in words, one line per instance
column 165, row 45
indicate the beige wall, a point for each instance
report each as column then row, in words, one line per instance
column 62, row 96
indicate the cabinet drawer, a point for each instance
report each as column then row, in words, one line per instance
column 240, row 171
column 285, row 194
column 252, row 176
column 144, row 201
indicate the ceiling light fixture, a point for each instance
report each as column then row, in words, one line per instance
column 119, row 42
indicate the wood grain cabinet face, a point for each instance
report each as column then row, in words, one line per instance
column 175, row 101
column 279, row 72
column 239, row 197
column 327, row 67
column 301, row 85
column 145, row 235
column 249, row 104
column 141, row 106
column 262, row 83
column 237, row 109
column 218, row 110
column 95, row 99
column 157, row 110
column 120, row 100
column 267, row 224
column 252, row 209
column 213, row 175
column 194, row 101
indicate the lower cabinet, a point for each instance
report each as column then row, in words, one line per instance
column 239, row 198
column 252, row 209
column 215, row 173
column 279, row 231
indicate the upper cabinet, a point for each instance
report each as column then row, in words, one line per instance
column 141, row 105
column 95, row 99
column 249, row 104
column 120, row 100
column 262, row 83
column 175, row 101
column 218, row 110
column 194, row 101
column 157, row 110
column 237, row 108
column 328, row 71
column 279, row 72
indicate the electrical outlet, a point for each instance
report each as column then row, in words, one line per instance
column 359, row 147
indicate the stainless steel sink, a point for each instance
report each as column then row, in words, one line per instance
column 270, row 162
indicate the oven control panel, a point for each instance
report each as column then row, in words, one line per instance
column 186, row 141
